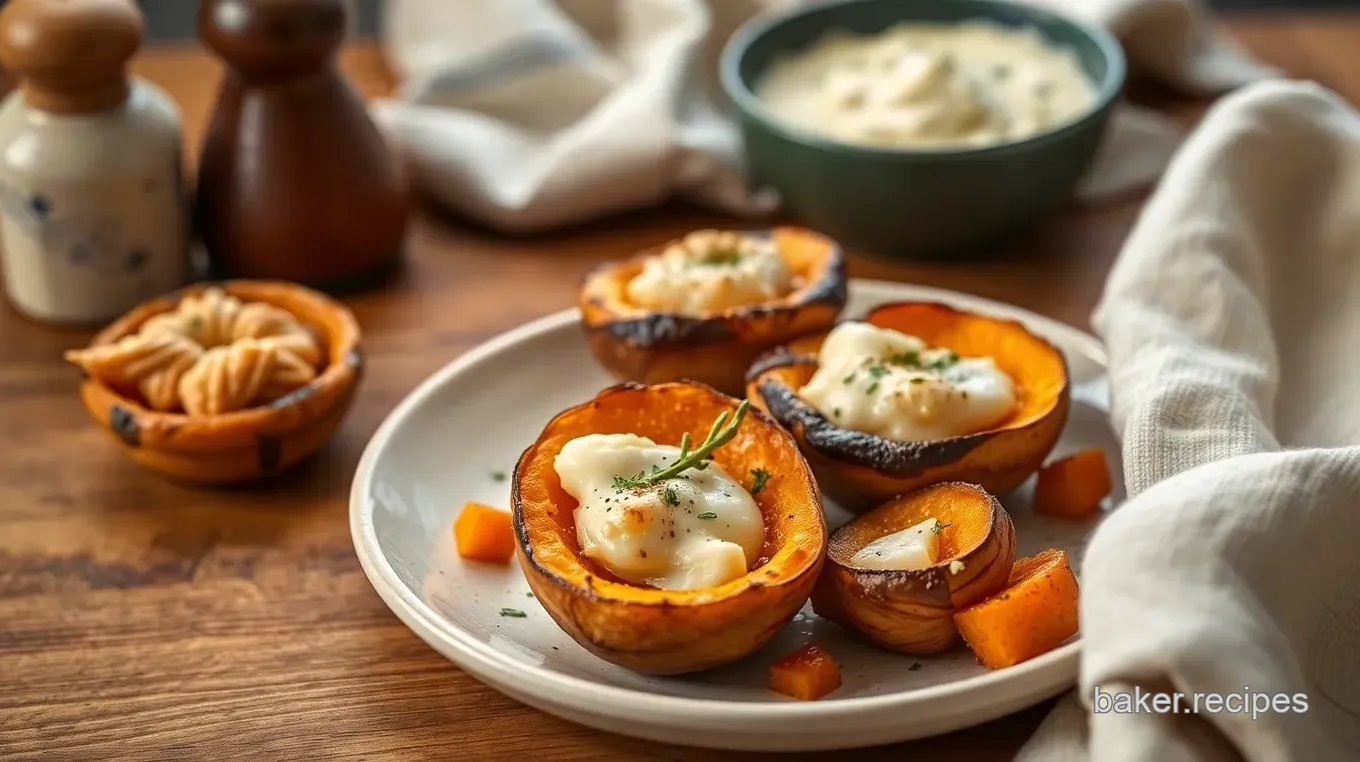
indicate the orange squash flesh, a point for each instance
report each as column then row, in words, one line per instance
column 670, row 631
column 806, row 674
column 635, row 343
column 1035, row 613
column 911, row 611
column 483, row 533
column 1072, row 487
column 860, row 470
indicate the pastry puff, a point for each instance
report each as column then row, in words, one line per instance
column 241, row 374
column 211, row 354
column 215, row 318
column 153, row 364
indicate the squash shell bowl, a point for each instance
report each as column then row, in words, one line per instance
column 245, row 445
column 860, row 470
column 912, row 611
column 670, row 631
column 634, row 343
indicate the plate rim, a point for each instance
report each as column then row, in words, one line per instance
column 481, row 659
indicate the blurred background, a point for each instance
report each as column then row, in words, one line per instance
column 174, row 19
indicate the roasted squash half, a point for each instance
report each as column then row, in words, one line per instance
column 636, row 344
column 912, row 611
column 860, row 470
column 669, row 631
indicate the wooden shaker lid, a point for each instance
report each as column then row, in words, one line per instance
column 70, row 56
column 273, row 39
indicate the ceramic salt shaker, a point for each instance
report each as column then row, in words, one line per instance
column 93, row 218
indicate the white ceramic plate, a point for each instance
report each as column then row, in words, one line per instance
column 457, row 437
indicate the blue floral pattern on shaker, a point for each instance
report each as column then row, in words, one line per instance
column 91, row 244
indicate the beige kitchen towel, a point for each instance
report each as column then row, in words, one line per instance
column 1232, row 319
column 528, row 114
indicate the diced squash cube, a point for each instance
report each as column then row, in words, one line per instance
column 483, row 533
column 1073, row 487
column 806, row 674
column 1032, row 615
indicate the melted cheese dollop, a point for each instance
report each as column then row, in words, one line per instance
column 883, row 382
column 678, row 534
column 929, row 85
column 916, row 547
column 711, row 271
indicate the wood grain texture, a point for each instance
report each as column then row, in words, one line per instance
column 140, row 620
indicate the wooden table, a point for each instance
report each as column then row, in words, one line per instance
column 144, row 620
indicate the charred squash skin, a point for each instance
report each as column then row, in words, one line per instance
column 912, row 611
column 637, row 344
column 670, row 631
column 860, row 470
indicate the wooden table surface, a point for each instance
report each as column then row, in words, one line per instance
column 145, row 620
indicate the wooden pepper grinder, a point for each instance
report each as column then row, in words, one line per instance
column 93, row 212
column 296, row 182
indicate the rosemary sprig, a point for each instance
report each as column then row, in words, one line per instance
column 718, row 435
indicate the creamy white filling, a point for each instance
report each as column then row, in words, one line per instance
column 883, row 382
column 916, row 547
column 710, row 271
column 686, row 533
column 929, row 85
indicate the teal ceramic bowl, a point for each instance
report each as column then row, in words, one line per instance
column 927, row 203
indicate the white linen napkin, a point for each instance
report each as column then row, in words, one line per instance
column 528, row 114
column 1232, row 319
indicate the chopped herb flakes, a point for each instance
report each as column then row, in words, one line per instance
column 729, row 258
column 872, row 388
column 708, row 515
column 914, row 666
column 672, row 499
column 761, row 476
column 497, row 476
column 513, row 613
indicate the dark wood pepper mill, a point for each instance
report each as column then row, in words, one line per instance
column 295, row 181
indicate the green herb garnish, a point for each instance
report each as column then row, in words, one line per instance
column 877, row 371
column 728, row 258
column 513, row 613
column 872, row 388
column 848, row 380
column 497, row 476
column 672, row 499
column 719, row 434
column 910, row 358
column 914, row 666
column 939, row 527
column 761, row 476
column 918, row 380
column 708, row 515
